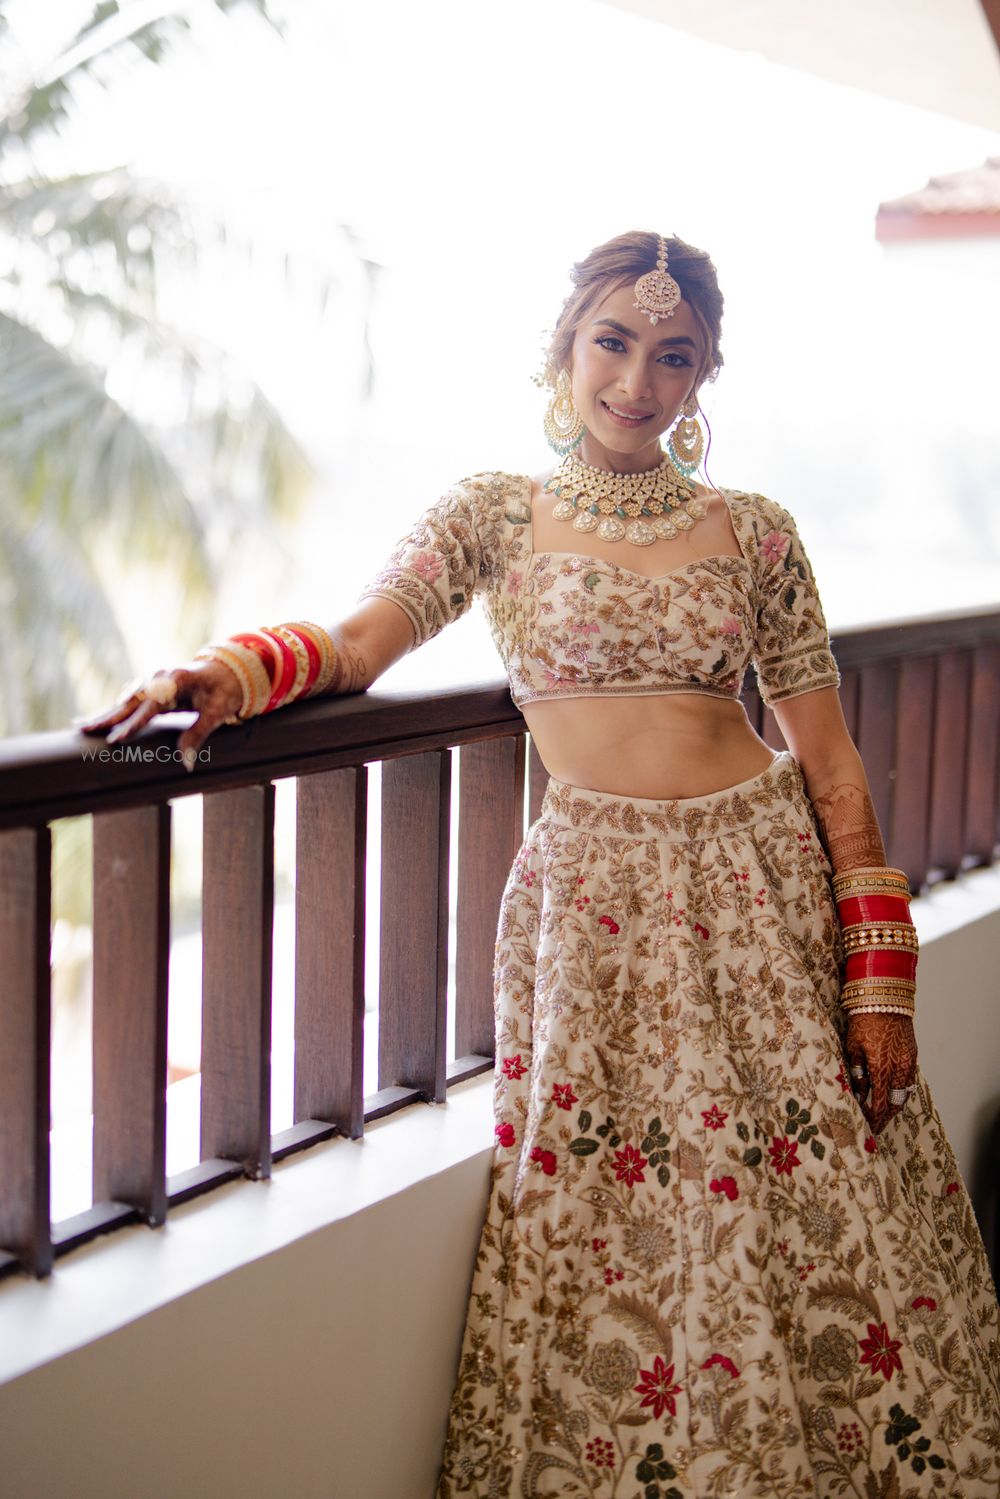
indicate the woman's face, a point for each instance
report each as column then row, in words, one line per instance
column 630, row 378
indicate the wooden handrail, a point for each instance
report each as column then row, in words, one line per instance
column 921, row 698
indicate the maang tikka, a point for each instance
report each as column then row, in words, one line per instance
column 657, row 293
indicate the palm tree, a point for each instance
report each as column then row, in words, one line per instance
column 119, row 433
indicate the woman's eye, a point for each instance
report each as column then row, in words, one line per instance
column 607, row 339
column 673, row 355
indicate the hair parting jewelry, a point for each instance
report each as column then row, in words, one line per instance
column 656, row 292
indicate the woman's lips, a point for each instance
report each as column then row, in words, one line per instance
column 620, row 419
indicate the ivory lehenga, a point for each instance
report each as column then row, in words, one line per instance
column 700, row 1275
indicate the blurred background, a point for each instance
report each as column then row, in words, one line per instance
column 273, row 274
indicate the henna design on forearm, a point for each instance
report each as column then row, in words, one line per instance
column 849, row 826
column 351, row 670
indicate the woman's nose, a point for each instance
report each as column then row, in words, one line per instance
column 635, row 380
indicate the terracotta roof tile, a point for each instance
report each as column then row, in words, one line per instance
column 974, row 191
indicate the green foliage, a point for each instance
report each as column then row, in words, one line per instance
column 87, row 474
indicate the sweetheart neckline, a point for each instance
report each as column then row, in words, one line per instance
column 644, row 577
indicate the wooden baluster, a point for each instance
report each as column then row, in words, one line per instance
column 490, row 829
column 237, row 932
column 849, row 702
column 875, row 736
column 538, row 779
column 909, row 838
column 949, row 730
column 330, row 843
column 25, row 899
column 131, row 956
column 981, row 829
column 751, row 701
column 413, row 950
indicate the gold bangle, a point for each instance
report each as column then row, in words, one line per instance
column 871, row 882
column 328, row 655
column 248, row 669
column 884, row 936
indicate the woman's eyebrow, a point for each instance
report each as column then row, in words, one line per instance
column 608, row 322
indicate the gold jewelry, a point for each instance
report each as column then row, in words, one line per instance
column 161, row 689
column 871, row 881
column 563, row 424
column 328, row 655
column 883, row 936
column 639, row 508
column 686, row 443
column 657, row 293
column 249, row 671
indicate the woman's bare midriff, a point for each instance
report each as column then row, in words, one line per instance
column 664, row 746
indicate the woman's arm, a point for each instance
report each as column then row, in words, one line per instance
column 814, row 730
column 367, row 643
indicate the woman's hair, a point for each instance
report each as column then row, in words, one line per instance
column 623, row 260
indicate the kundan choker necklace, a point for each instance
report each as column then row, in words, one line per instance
column 640, row 508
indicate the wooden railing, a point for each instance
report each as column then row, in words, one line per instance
column 922, row 699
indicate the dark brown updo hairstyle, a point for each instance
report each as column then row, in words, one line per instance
column 623, row 260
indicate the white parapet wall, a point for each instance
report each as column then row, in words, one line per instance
column 297, row 1339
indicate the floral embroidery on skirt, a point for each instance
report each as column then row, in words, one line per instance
column 699, row 1274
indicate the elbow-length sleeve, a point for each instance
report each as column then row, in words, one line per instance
column 436, row 568
column 792, row 648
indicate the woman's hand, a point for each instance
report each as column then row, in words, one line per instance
column 885, row 1049
column 209, row 687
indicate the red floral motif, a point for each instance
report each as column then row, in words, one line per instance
column 871, row 1145
column 880, row 1350
column 598, row 1244
column 845, row 1086
column 656, row 1389
column 545, row 1159
column 601, row 1453
column 758, row 899
column 927, row 1301
column 628, row 1164
column 505, row 1134
column 582, row 902
column 701, row 930
column 713, row 1117
column 806, row 1270
column 849, row 1437
column 950, row 1189
column 723, row 1362
column 563, row 1096
column 513, row 1067
column 727, row 1185
column 784, row 1155
column 610, row 1276
column 774, row 546
column 612, row 926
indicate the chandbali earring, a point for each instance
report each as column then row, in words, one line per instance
column 686, row 444
column 563, row 424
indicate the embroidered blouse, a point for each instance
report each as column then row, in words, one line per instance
column 570, row 625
